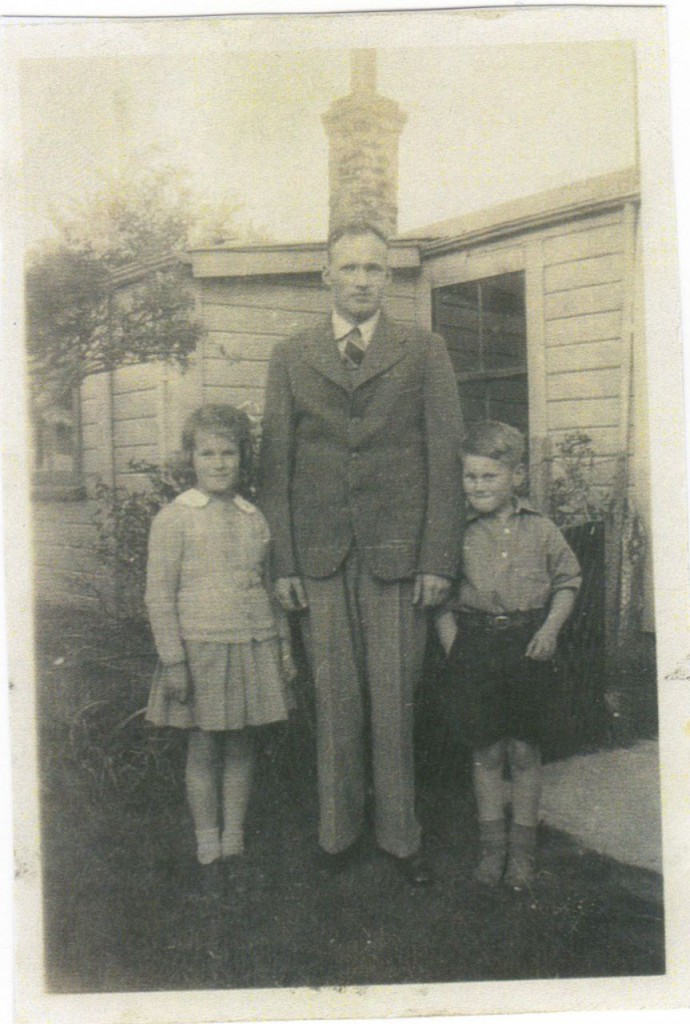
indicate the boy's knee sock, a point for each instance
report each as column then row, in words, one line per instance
column 493, row 832
column 521, row 855
column 525, row 766
column 487, row 777
column 523, row 837
column 492, row 851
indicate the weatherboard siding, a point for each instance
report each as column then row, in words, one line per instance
column 66, row 569
column 244, row 319
column 584, row 270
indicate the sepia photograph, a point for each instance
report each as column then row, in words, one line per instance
column 344, row 510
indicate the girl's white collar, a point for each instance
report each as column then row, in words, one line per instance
column 194, row 498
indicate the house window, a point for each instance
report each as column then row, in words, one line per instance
column 484, row 326
column 56, row 470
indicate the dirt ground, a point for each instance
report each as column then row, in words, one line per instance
column 123, row 913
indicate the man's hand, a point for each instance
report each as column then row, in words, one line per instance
column 287, row 664
column 542, row 646
column 430, row 590
column 447, row 629
column 176, row 685
column 290, row 593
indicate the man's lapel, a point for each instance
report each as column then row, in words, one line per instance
column 321, row 352
column 386, row 348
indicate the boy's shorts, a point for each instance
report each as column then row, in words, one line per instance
column 491, row 691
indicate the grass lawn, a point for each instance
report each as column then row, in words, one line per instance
column 122, row 912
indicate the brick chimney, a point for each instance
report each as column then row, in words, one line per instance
column 363, row 129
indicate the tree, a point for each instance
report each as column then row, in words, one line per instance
column 77, row 325
column 80, row 318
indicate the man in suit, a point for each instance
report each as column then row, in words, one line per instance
column 360, row 483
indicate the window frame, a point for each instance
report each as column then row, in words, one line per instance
column 55, row 484
column 472, row 262
column 519, row 371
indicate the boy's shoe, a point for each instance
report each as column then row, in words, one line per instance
column 522, row 857
column 521, row 870
column 415, row 869
column 336, row 863
column 492, row 853
column 492, row 859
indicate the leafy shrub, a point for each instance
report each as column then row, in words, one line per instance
column 123, row 520
column 573, row 497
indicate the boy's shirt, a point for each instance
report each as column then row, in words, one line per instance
column 515, row 564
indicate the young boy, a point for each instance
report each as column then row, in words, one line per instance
column 518, row 587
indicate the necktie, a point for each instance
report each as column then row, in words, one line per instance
column 353, row 352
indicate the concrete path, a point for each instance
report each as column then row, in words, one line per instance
column 609, row 801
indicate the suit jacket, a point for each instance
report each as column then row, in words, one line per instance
column 370, row 455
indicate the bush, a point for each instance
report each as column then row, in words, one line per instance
column 573, row 499
column 123, row 520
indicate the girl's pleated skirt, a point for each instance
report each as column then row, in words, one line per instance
column 232, row 686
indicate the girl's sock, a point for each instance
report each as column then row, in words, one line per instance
column 232, row 842
column 207, row 845
column 202, row 792
column 238, row 768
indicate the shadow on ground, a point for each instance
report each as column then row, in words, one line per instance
column 122, row 912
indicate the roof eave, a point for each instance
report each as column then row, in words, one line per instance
column 581, row 199
column 289, row 258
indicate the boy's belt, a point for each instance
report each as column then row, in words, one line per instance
column 503, row 620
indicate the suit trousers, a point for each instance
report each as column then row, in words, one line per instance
column 365, row 641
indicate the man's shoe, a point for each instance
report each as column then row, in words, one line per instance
column 415, row 869
column 336, row 863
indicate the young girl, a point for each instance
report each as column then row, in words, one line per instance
column 223, row 665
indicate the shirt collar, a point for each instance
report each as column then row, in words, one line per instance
column 341, row 327
column 194, row 498
column 519, row 506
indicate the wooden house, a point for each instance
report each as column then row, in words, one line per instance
column 539, row 300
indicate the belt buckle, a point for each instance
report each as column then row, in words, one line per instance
column 501, row 621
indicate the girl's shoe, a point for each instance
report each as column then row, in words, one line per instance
column 236, row 875
column 209, row 879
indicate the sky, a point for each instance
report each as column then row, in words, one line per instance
column 484, row 125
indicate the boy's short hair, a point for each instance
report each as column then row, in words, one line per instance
column 493, row 439
column 354, row 229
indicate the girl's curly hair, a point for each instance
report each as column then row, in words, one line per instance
column 229, row 422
